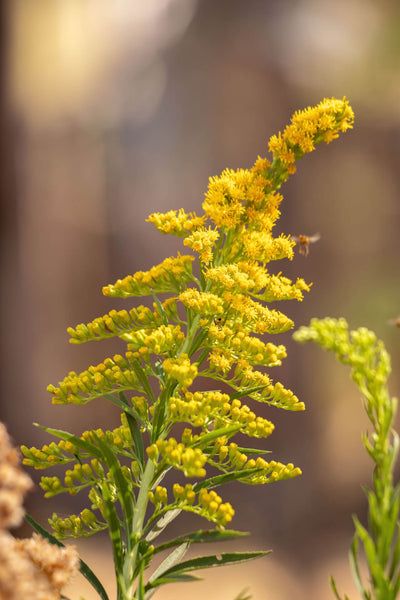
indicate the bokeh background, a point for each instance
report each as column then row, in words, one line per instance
column 111, row 110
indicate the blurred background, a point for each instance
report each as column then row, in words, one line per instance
column 113, row 110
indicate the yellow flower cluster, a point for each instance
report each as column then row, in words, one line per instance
column 231, row 458
column 203, row 408
column 209, row 505
column 162, row 340
column 226, row 196
column 253, row 316
column 112, row 375
column 245, row 347
column 203, row 303
column 240, row 277
column 310, row 126
column 282, row 288
column 189, row 460
column 263, row 216
column 115, row 323
column 251, row 278
column 261, row 246
column 275, row 395
column 48, row 455
column 202, row 242
column 119, row 440
column 213, row 506
column 176, row 222
column 168, row 276
column 159, row 496
column 181, row 370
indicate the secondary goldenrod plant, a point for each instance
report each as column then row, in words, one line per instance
column 29, row 568
column 370, row 369
column 204, row 323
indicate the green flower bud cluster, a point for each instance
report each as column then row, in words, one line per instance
column 84, row 525
column 360, row 348
column 75, row 479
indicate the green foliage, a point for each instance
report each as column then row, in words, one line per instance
column 380, row 540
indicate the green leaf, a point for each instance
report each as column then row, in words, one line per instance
column 125, row 494
column 205, row 562
column 160, row 309
column 83, row 567
column 212, row 435
column 353, row 558
column 334, row 588
column 162, row 524
column 246, row 392
column 141, row 375
column 373, row 563
column 123, row 404
column 114, row 528
column 221, row 479
column 199, row 537
column 243, row 595
column 396, row 555
column 177, row 578
column 171, row 560
column 134, row 428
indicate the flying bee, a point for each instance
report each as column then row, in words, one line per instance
column 395, row 322
column 305, row 241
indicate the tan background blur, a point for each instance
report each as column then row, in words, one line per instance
column 111, row 110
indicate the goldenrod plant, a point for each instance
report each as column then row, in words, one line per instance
column 379, row 542
column 209, row 311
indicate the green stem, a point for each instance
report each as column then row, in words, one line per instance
column 137, row 526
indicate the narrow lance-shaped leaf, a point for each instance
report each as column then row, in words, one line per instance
column 172, row 559
column 199, row 537
column 205, row 562
column 125, row 493
column 135, row 431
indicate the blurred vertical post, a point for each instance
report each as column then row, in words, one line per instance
column 10, row 293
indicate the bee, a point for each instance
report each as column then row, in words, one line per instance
column 395, row 322
column 305, row 241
